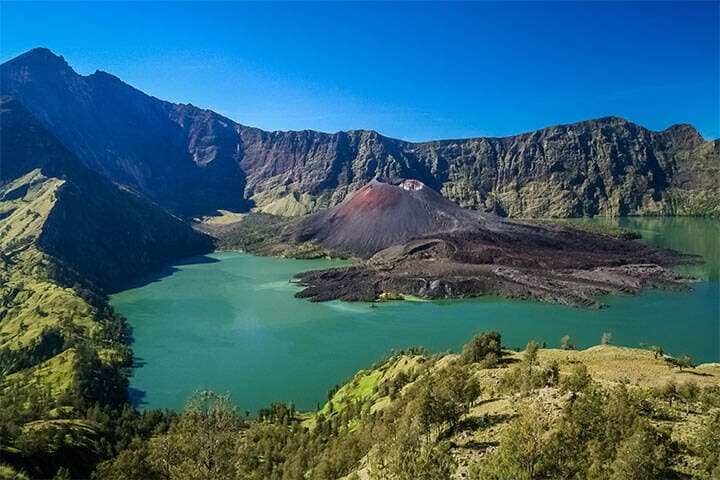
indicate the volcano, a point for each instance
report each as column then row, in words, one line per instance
column 416, row 242
column 384, row 213
column 410, row 240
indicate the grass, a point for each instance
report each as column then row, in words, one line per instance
column 56, row 374
column 24, row 217
column 32, row 299
column 491, row 414
column 632, row 366
column 32, row 303
column 364, row 387
column 9, row 473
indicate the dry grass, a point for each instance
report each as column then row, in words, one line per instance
column 611, row 365
column 224, row 217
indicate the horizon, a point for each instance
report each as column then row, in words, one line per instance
column 61, row 57
column 302, row 94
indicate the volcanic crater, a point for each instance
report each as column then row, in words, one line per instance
column 413, row 241
column 410, row 240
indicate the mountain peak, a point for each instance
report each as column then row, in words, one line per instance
column 383, row 213
column 685, row 133
column 38, row 63
column 40, row 55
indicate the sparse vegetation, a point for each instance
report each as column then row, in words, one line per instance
column 566, row 343
column 432, row 417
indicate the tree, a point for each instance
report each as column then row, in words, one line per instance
column 444, row 398
column 128, row 465
column 685, row 362
column 202, row 443
column 531, row 353
column 566, row 344
column 606, row 338
column 669, row 392
column 523, row 450
column 578, row 379
column 641, row 456
column 410, row 455
column 485, row 347
column 657, row 351
column 707, row 446
column 688, row 392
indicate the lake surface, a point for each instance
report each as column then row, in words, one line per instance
column 229, row 322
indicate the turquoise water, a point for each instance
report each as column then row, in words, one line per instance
column 229, row 322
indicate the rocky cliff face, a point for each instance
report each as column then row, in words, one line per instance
column 50, row 201
column 192, row 161
column 599, row 167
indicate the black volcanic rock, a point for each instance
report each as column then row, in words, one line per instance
column 193, row 161
column 418, row 243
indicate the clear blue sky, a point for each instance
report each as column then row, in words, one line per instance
column 417, row 71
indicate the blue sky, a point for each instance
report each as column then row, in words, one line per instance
column 418, row 71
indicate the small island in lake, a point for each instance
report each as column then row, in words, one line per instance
column 410, row 240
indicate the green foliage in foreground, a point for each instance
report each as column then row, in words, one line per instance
column 64, row 410
column 62, row 351
column 415, row 421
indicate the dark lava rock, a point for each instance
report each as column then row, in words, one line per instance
column 415, row 242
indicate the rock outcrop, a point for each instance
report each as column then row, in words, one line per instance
column 50, row 201
column 192, row 161
column 409, row 240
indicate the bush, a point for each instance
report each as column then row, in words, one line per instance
column 485, row 348
column 578, row 380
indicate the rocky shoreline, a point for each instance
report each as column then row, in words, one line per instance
column 409, row 240
column 580, row 288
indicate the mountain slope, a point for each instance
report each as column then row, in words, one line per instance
column 50, row 200
column 193, row 161
column 176, row 155
column 67, row 236
column 381, row 214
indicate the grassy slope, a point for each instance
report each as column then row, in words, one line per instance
column 608, row 365
column 32, row 302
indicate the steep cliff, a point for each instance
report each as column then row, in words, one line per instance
column 193, row 161
column 50, row 201
column 607, row 166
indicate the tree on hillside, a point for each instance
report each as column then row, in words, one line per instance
column 531, row 353
column 657, row 351
column 707, row 446
column 688, row 392
column 641, row 456
column 524, row 448
column 485, row 348
column 410, row 455
column 578, row 379
column 444, row 398
column 566, row 343
column 685, row 362
column 202, row 443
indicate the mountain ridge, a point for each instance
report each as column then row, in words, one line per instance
column 48, row 53
column 104, row 233
column 193, row 161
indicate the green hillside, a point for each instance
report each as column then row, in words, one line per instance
column 488, row 413
column 67, row 235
